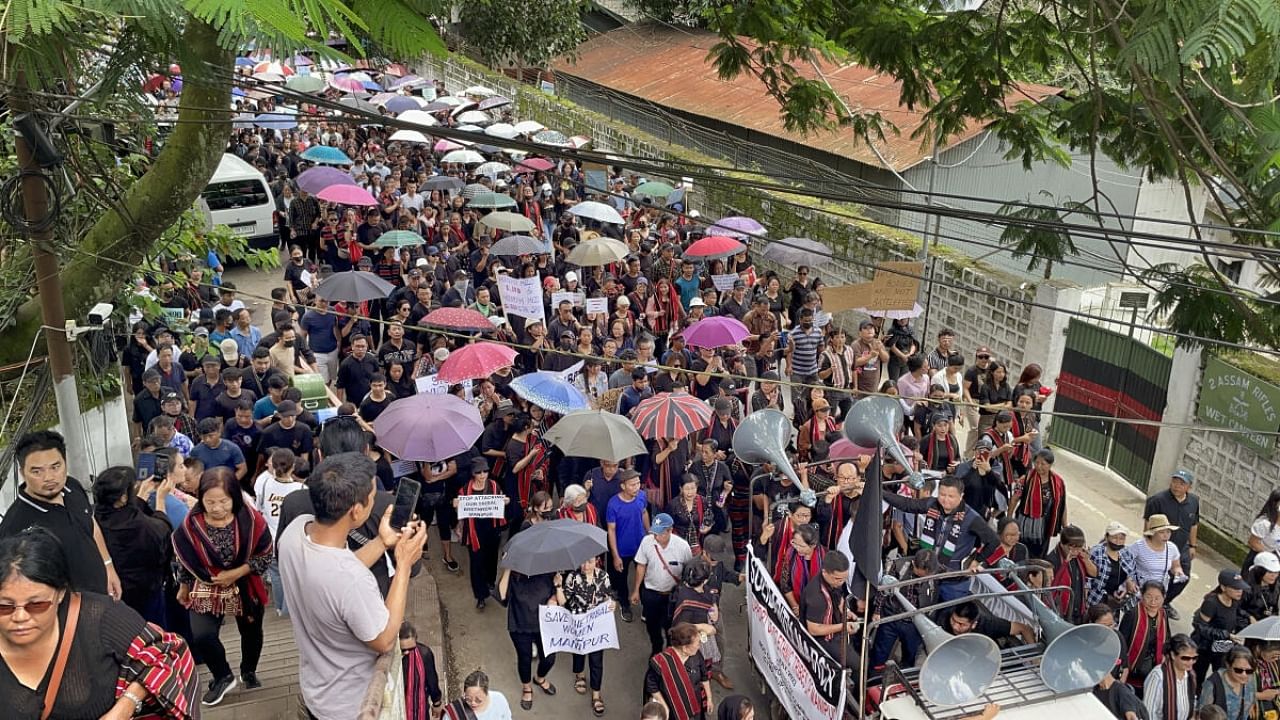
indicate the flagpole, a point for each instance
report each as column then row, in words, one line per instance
column 862, row 661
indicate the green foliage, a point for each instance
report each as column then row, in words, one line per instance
column 1036, row 237
column 524, row 34
column 1191, row 301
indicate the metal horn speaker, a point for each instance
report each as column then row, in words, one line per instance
column 874, row 422
column 1076, row 656
column 762, row 437
column 958, row 668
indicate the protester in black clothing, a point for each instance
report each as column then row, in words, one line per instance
column 244, row 432
column 206, row 388
column 287, row 432
column 356, row 372
column 136, row 536
column 522, row 595
column 1220, row 617
column 377, row 400
column 826, row 612
column 233, row 393
column 146, row 404
column 421, row 679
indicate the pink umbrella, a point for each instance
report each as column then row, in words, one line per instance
column 716, row 332
column 347, row 195
column 713, row 246
column 843, row 449
column 446, row 146
column 535, row 164
column 479, row 360
column 274, row 68
column 346, row 84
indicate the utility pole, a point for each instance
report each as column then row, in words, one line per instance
column 35, row 205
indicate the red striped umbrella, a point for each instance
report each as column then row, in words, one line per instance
column 457, row 319
column 478, row 360
column 713, row 247
column 671, row 416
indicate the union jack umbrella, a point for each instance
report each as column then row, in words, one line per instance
column 671, row 416
column 457, row 319
column 478, row 360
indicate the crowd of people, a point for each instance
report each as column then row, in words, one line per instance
column 251, row 496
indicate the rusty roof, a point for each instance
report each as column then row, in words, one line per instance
column 670, row 67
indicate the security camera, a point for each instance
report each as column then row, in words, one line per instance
column 99, row 314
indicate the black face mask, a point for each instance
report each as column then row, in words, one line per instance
column 547, row 514
column 288, row 343
column 1115, row 546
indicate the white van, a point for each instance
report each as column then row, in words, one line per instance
column 238, row 196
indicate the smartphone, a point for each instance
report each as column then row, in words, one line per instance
column 146, row 465
column 984, row 454
column 406, row 502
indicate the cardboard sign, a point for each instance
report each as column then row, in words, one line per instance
column 522, row 297
column 481, row 506
column 724, row 283
column 576, row 299
column 580, row 634
column 403, row 468
column 597, row 306
column 888, row 291
column 429, row 385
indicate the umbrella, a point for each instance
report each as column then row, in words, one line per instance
column 496, row 101
column 487, row 149
column 268, row 77
column 671, row 416
column 457, row 319
column 549, row 390
column 395, row 70
column 475, row 361
column 596, row 434
column 515, row 245
column 467, row 157
column 243, row 121
column 528, row 127
column 579, row 141
column 474, row 117
column 360, row 105
column 454, row 101
column 493, row 168
column 276, row 121
column 347, row 195
column 315, row 179
column 347, row 84
column 716, row 332
column 915, row 311
column 473, row 190
column 400, row 103
column 243, row 61
column 410, row 136
column 273, row 68
column 492, row 201
column 655, row 190
column 437, row 105
column 843, row 449
column 597, row 211
column 305, row 83
column 371, row 86
column 712, row 247
column 407, row 81
column 300, row 61
column 736, row 226
column 381, row 98
column 551, row 137
column 535, row 164
column 442, row 182
column 1267, row 628
column 418, row 117
column 796, row 251
column 501, row 130
column 597, row 252
column 428, row 427
column 508, row 221
column 554, row 546
column 359, row 76
column 325, row 155
column 399, row 239
column 446, row 146
column 354, row 286
column 480, row 91
column 469, row 129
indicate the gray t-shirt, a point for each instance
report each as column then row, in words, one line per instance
column 335, row 608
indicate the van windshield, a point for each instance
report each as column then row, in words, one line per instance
column 234, row 194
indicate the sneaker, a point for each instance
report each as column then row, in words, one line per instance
column 452, row 566
column 1172, row 612
column 218, row 690
column 626, row 615
column 251, row 681
column 480, row 604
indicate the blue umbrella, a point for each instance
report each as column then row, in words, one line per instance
column 276, row 121
column 237, row 92
column 325, row 155
column 550, row 391
column 398, row 105
column 372, row 86
column 243, row 61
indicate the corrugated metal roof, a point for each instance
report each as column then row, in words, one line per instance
column 670, row 67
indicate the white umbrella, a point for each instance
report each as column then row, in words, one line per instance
column 501, row 130
column 412, row 136
column 452, row 101
column 493, row 168
column 528, row 127
column 480, row 91
column 467, row 157
column 474, row 117
column 597, row 252
column 469, row 128
column 597, row 211
column 418, row 117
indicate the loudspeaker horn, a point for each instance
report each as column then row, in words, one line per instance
column 874, row 422
column 1076, row 656
column 762, row 437
column 958, row 668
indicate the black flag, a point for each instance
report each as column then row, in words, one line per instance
column 867, row 533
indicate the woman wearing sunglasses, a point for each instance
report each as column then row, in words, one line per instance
column 1232, row 687
column 70, row 651
column 1170, row 690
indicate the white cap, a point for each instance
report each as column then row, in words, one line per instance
column 422, row 262
column 1267, row 561
column 697, row 302
column 624, row 301
column 571, row 276
column 441, row 354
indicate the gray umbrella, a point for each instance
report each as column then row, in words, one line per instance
column 795, row 251
column 513, row 245
column 554, row 546
column 1267, row 628
column 442, row 182
column 473, row 190
column 596, row 434
column 354, row 286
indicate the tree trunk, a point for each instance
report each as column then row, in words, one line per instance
column 115, row 247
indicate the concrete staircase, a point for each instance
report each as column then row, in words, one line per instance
column 278, row 671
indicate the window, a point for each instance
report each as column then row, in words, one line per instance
column 235, row 194
column 1231, row 269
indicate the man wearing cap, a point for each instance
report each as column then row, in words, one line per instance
column 173, row 406
column 198, row 349
column 206, row 388
column 735, row 304
column 1182, row 507
column 627, row 521
column 146, row 404
column 659, row 560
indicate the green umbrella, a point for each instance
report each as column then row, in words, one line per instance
column 399, row 239
column 508, row 221
column 305, row 83
column 656, row 190
column 491, row 200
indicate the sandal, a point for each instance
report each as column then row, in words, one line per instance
column 526, row 699
column 597, row 707
column 546, row 687
column 580, row 684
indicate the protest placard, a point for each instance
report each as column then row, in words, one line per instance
column 580, row 634
column 481, row 506
column 429, row 385
column 724, row 282
column 597, row 306
column 521, row 296
column 576, row 298
column 403, row 468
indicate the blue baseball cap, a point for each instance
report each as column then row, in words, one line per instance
column 1183, row 475
column 661, row 523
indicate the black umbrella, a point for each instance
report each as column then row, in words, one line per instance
column 442, row 182
column 554, row 546
column 354, row 286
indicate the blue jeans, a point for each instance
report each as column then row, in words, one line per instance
column 888, row 634
column 277, row 587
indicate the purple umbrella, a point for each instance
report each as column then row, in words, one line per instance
column 737, row 226
column 428, row 427
column 496, row 101
column 315, row 179
column 716, row 332
column 401, row 103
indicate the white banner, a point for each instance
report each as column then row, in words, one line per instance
column 570, row 374
column 577, row 299
column 481, row 506
column 563, row 631
column 521, row 296
column 597, row 306
column 806, row 680
column 430, row 385
column 724, row 282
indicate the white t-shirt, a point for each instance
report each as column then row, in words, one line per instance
column 673, row 556
column 499, row 708
column 271, row 494
column 1270, row 536
column 1152, row 565
column 335, row 608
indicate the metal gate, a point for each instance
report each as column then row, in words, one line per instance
column 1107, row 375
